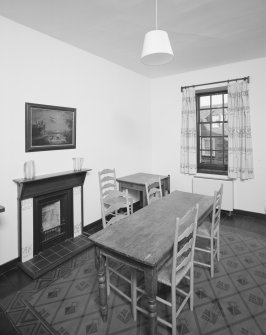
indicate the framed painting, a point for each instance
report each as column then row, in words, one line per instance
column 49, row 127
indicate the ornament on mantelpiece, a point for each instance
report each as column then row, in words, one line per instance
column 29, row 170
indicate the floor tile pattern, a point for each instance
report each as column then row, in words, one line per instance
column 65, row 300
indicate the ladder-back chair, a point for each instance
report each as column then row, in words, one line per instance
column 153, row 190
column 111, row 198
column 116, row 205
column 179, row 266
column 210, row 230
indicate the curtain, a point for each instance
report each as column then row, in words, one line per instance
column 240, row 155
column 188, row 161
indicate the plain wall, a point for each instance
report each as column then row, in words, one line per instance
column 166, row 105
column 113, row 117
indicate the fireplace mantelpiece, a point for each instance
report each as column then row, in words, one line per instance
column 29, row 189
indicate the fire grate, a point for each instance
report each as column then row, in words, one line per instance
column 51, row 234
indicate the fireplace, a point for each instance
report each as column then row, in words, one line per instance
column 50, row 210
column 53, row 219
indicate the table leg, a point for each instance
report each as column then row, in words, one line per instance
column 100, row 266
column 142, row 198
column 151, row 290
column 168, row 184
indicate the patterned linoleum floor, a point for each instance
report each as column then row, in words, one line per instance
column 65, row 301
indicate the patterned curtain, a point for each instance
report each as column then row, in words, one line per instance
column 240, row 155
column 188, row 161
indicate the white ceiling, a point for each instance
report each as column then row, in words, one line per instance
column 203, row 33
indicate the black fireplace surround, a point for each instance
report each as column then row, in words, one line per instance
column 44, row 190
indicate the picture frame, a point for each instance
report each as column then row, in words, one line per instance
column 49, row 127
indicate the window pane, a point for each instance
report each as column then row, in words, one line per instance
column 205, row 157
column 217, row 129
column 217, row 143
column 204, row 129
column 226, row 157
column 225, row 150
column 225, row 99
column 205, row 101
column 225, row 114
column 217, row 115
column 226, row 129
column 225, row 143
column 217, row 158
column 205, row 144
column 217, row 100
column 205, row 115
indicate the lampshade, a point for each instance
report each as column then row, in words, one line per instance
column 157, row 49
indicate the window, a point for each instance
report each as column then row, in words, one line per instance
column 212, row 131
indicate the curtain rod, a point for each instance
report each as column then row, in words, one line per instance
column 216, row 82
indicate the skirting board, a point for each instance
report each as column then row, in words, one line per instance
column 9, row 265
column 247, row 213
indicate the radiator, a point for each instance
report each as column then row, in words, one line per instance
column 207, row 186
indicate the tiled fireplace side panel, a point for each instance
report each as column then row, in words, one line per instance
column 26, row 229
column 77, row 211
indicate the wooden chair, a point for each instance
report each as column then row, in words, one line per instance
column 111, row 198
column 210, row 230
column 179, row 266
column 115, row 206
column 153, row 190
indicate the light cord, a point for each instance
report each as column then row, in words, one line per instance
column 156, row 16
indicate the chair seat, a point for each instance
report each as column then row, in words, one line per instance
column 115, row 200
column 204, row 230
column 165, row 273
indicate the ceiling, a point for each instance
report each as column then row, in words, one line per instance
column 203, row 33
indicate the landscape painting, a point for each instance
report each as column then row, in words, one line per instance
column 50, row 127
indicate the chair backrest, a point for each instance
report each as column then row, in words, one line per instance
column 216, row 210
column 184, row 243
column 153, row 190
column 107, row 182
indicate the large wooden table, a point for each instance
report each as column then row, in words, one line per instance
column 144, row 241
column 137, row 182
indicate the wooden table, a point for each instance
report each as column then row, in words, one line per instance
column 137, row 182
column 144, row 241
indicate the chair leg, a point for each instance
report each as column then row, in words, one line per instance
column 173, row 298
column 107, row 277
column 134, row 294
column 212, row 258
column 192, row 287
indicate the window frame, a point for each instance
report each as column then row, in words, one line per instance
column 204, row 167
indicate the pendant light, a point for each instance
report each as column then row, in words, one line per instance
column 157, row 49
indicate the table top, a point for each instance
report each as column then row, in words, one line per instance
column 140, row 178
column 147, row 235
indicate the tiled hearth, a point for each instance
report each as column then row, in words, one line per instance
column 54, row 256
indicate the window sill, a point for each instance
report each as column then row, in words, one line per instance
column 212, row 176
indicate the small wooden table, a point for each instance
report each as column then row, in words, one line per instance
column 137, row 182
column 144, row 240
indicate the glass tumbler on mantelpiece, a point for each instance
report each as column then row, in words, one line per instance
column 29, row 170
column 77, row 163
